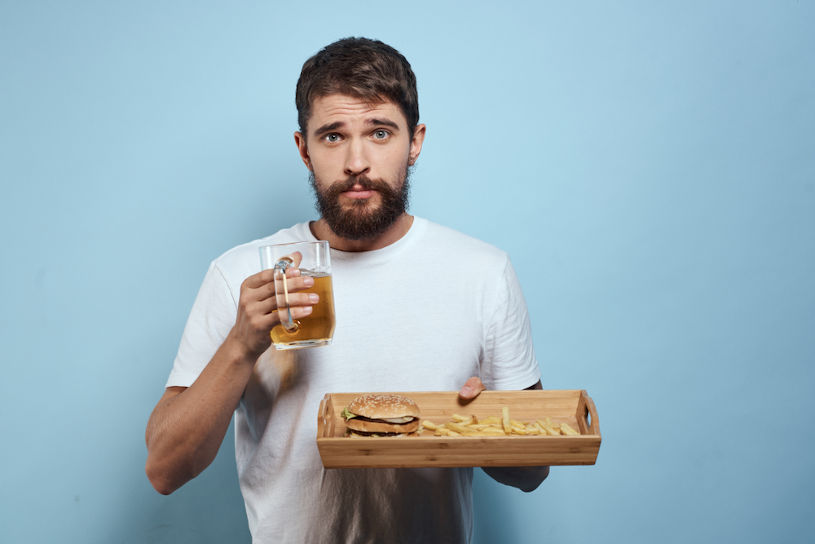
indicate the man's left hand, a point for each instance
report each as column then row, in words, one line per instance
column 471, row 389
column 524, row 478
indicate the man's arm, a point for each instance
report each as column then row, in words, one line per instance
column 188, row 425
column 524, row 478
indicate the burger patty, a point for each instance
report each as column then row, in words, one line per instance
column 394, row 421
column 379, row 426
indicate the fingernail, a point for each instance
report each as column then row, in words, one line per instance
column 308, row 281
column 314, row 298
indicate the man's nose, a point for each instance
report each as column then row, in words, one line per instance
column 356, row 160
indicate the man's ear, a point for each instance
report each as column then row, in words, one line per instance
column 302, row 148
column 416, row 143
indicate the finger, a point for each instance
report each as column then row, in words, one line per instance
column 269, row 305
column 259, row 280
column 293, row 285
column 261, row 286
column 265, row 276
column 471, row 388
column 297, row 312
column 262, row 317
column 297, row 258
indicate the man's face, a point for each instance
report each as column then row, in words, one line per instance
column 359, row 155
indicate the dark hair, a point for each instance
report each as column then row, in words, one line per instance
column 367, row 69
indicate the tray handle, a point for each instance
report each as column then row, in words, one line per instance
column 323, row 421
column 588, row 414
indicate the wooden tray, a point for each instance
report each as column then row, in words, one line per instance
column 574, row 407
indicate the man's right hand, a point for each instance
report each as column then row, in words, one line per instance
column 188, row 424
column 257, row 308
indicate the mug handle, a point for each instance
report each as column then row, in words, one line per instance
column 282, row 295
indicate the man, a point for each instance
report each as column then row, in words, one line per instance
column 419, row 307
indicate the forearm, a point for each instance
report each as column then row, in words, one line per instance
column 186, row 430
column 524, row 478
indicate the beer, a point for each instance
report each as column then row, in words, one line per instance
column 317, row 328
column 313, row 259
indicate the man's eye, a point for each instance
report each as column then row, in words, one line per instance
column 332, row 138
column 381, row 134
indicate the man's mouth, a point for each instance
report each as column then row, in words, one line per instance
column 358, row 194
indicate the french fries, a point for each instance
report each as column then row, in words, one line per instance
column 461, row 425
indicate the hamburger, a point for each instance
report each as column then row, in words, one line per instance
column 381, row 414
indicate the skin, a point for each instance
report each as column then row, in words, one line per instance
column 345, row 137
column 188, row 425
column 349, row 137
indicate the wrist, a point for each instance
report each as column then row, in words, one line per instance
column 238, row 351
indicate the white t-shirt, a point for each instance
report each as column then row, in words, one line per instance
column 423, row 314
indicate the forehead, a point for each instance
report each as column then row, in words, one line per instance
column 340, row 108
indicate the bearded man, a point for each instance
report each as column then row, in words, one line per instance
column 419, row 307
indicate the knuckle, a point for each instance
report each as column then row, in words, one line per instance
column 256, row 322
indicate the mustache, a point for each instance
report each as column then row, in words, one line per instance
column 366, row 183
column 359, row 221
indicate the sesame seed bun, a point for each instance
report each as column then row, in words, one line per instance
column 383, row 406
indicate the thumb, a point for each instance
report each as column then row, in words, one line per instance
column 471, row 388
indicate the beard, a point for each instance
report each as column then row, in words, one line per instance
column 357, row 221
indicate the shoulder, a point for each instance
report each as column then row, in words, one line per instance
column 445, row 241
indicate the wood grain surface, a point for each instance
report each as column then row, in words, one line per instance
column 574, row 407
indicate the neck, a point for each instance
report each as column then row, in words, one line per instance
column 400, row 227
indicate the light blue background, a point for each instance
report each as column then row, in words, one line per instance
column 649, row 166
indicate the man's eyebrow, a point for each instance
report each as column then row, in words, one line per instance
column 383, row 122
column 328, row 127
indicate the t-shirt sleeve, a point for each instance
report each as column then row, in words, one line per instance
column 510, row 361
column 210, row 320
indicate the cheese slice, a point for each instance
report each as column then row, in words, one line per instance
column 405, row 419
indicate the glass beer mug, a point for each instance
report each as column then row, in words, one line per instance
column 312, row 259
